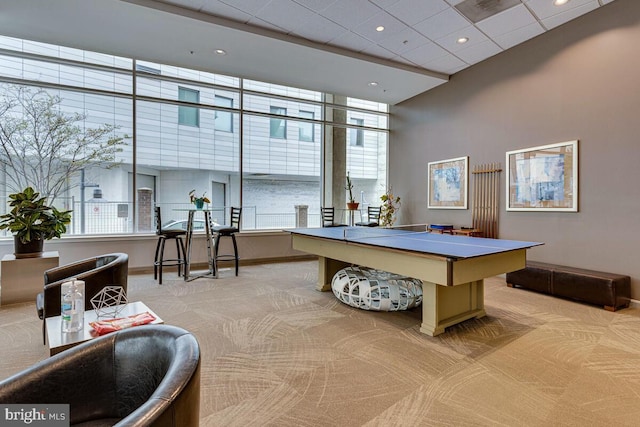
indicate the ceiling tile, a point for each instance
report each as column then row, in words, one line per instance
column 315, row 5
column 438, row 26
column 350, row 14
column 368, row 29
column 189, row 4
column 507, row 21
column 570, row 14
column 384, row 4
column 317, row 28
column 402, row 60
column 479, row 52
column 283, row 12
column 252, row 7
column 350, row 40
column 219, row 8
column 518, row 36
column 545, row 8
column 447, row 64
column 403, row 41
column 450, row 41
column 413, row 11
column 425, row 53
column 378, row 51
column 268, row 25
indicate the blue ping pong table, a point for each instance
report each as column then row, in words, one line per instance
column 452, row 268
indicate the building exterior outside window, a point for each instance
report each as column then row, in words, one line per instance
column 305, row 129
column 356, row 135
column 224, row 119
column 278, row 126
column 189, row 116
column 268, row 169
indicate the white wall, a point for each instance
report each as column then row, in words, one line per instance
column 578, row 81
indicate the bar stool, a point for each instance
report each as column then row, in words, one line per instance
column 227, row 231
column 373, row 217
column 328, row 218
column 164, row 235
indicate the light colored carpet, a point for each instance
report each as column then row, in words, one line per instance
column 276, row 352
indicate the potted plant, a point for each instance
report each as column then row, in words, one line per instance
column 352, row 205
column 390, row 205
column 32, row 222
column 198, row 201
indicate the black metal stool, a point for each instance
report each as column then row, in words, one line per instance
column 373, row 217
column 228, row 231
column 164, row 235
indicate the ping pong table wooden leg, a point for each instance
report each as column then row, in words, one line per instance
column 444, row 306
column 327, row 268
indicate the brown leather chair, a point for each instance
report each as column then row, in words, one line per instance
column 97, row 272
column 142, row 376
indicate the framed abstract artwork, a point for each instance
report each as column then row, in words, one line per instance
column 543, row 178
column 448, row 182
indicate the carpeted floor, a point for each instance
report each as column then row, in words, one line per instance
column 275, row 352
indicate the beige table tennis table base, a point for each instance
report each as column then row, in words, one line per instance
column 453, row 290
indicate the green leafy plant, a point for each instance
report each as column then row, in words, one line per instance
column 194, row 199
column 349, row 187
column 31, row 219
column 390, row 205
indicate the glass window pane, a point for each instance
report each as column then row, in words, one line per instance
column 83, row 165
column 278, row 127
column 306, row 129
column 194, row 75
column 281, row 178
column 180, row 159
column 224, row 119
column 189, row 116
column 181, row 147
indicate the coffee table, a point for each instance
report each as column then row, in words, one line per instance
column 59, row 341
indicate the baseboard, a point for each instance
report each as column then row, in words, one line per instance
column 226, row 264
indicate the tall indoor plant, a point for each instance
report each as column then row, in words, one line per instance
column 32, row 222
column 351, row 204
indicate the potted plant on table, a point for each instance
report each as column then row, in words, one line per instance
column 352, row 205
column 198, row 201
column 32, row 222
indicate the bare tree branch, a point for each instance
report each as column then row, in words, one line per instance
column 42, row 146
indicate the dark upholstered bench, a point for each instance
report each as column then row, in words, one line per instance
column 612, row 291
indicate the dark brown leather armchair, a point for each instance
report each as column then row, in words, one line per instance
column 143, row 376
column 97, row 272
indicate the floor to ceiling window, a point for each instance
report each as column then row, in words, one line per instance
column 145, row 134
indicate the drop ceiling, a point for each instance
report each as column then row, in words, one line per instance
column 326, row 45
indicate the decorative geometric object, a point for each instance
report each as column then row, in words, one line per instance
column 371, row 289
column 110, row 301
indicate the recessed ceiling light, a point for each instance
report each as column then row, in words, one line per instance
column 220, row 52
column 560, row 2
column 379, row 28
column 373, row 83
column 462, row 40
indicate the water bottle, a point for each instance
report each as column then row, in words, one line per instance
column 72, row 304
